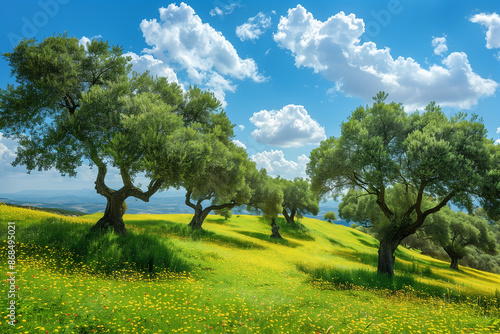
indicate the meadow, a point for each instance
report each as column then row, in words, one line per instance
column 229, row 278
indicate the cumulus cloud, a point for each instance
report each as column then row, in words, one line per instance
column 254, row 27
column 85, row 40
column 241, row 127
column 240, row 144
column 492, row 22
column 290, row 126
column 7, row 153
column 224, row 9
column 333, row 48
column 155, row 66
column 439, row 45
column 209, row 59
column 276, row 164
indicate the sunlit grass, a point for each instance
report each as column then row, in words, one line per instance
column 239, row 289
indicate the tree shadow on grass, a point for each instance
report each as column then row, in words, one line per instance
column 265, row 237
column 183, row 231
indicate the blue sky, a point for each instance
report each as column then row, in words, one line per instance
column 288, row 73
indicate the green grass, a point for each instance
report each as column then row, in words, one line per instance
column 239, row 280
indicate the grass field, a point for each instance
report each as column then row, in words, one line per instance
column 231, row 277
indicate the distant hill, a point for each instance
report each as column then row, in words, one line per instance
column 87, row 201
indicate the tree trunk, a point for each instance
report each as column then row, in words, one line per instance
column 289, row 218
column 113, row 216
column 199, row 213
column 198, row 218
column 386, row 256
column 275, row 228
column 454, row 255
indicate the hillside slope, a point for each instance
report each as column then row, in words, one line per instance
column 242, row 281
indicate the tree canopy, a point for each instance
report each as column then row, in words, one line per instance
column 267, row 197
column 222, row 180
column 298, row 198
column 330, row 215
column 454, row 231
column 75, row 103
column 422, row 153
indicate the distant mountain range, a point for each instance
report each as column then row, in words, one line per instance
column 88, row 201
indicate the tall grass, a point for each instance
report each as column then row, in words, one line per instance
column 105, row 253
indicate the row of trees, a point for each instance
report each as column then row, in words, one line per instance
column 73, row 104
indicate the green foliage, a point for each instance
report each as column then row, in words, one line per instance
column 267, row 195
column 454, row 231
column 225, row 212
column 418, row 155
column 52, row 76
column 298, row 198
column 330, row 215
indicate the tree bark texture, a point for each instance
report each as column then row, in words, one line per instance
column 454, row 256
column 275, row 230
column 115, row 206
column 386, row 258
column 290, row 218
column 200, row 214
column 113, row 216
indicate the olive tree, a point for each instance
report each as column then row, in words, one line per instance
column 423, row 153
column 267, row 198
column 454, row 231
column 298, row 198
column 329, row 216
column 222, row 180
column 73, row 104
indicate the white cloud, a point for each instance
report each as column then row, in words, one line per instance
column 240, row 144
column 224, row 10
column 439, row 45
column 241, row 127
column 290, row 126
column 156, row 67
column 498, row 130
column 85, row 40
column 7, row 154
column 492, row 22
column 181, row 38
column 333, row 48
column 254, row 27
column 497, row 142
column 276, row 164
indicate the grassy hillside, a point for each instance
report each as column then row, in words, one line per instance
column 231, row 277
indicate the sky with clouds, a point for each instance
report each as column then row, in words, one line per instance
column 287, row 73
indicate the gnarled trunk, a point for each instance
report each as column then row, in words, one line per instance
column 116, row 206
column 275, row 228
column 454, row 256
column 113, row 216
column 199, row 213
column 386, row 258
column 290, row 218
column 198, row 218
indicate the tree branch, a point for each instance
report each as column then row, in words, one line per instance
column 230, row 205
column 153, row 187
column 188, row 200
column 102, row 170
column 439, row 206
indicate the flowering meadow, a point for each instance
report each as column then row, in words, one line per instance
column 231, row 278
